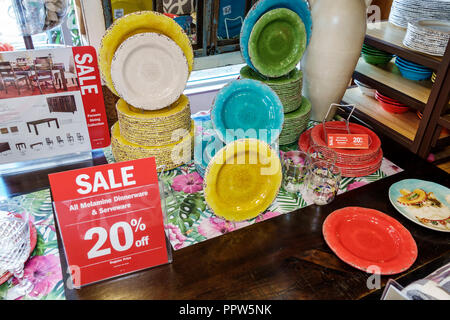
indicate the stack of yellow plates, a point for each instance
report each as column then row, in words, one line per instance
column 167, row 156
column 242, row 180
column 156, row 127
column 145, row 58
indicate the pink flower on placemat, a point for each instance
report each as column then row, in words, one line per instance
column 293, row 155
column 267, row 216
column 213, row 227
column 188, row 183
column 355, row 185
column 44, row 272
column 175, row 236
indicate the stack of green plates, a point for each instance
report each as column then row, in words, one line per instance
column 295, row 123
column 288, row 88
column 375, row 56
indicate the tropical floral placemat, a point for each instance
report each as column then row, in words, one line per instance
column 43, row 268
column 189, row 219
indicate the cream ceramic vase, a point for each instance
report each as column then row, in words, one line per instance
column 338, row 30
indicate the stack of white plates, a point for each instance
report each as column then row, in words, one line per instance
column 404, row 11
column 428, row 36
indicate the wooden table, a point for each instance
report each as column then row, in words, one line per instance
column 36, row 144
column 28, row 71
column 285, row 257
column 4, row 146
column 37, row 122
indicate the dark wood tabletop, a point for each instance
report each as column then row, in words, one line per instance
column 285, row 257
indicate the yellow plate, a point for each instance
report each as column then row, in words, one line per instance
column 242, row 180
column 134, row 23
column 115, row 134
column 124, row 108
column 170, row 156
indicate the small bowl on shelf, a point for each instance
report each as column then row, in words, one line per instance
column 391, row 105
column 376, row 60
column 365, row 89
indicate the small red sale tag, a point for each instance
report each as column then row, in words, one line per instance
column 110, row 219
column 348, row 141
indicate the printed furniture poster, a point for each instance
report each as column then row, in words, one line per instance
column 51, row 104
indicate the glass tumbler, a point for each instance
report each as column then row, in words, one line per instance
column 295, row 170
column 323, row 182
column 317, row 152
column 15, row 244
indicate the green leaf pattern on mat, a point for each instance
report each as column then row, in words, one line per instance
column 39, row 204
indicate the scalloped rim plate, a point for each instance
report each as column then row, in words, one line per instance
column 301, row 7
column 134, row 23
column 149, row 71
column 346, row 229
column 268, row 98
column 411, row 184
column 219, row 161
column 285, row 64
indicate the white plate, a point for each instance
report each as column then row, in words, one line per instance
column 404, row 11
column 149, row 71
column 440, row 192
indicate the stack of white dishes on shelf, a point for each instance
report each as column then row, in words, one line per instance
column 145, row 58
column 404, row 11
column 428, row 36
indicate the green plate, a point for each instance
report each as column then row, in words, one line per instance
column 294, row 76
column 304, row 109
column 277, row 42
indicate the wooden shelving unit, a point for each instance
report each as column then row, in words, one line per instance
column 431, row 99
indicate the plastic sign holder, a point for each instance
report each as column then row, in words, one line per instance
column 346, row 139
column 110, row 220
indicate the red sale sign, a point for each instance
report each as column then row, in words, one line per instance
column 88, row 74
column 110, row 219
column 348, row 141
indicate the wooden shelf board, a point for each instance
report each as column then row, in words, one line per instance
column 445, row 121
column 391, row 37
column 390, row 76
column 405, row 124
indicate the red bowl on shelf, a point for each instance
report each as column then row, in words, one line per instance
column 385, row 99
column 392, row 108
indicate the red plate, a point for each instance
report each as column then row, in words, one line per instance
column 33, row 240
column 353, row 167
column 361, row 165
column 304, row 141
column 393, row 109
column 366, row 238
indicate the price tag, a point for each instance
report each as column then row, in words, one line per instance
column 110, row 219
column 348, row 141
